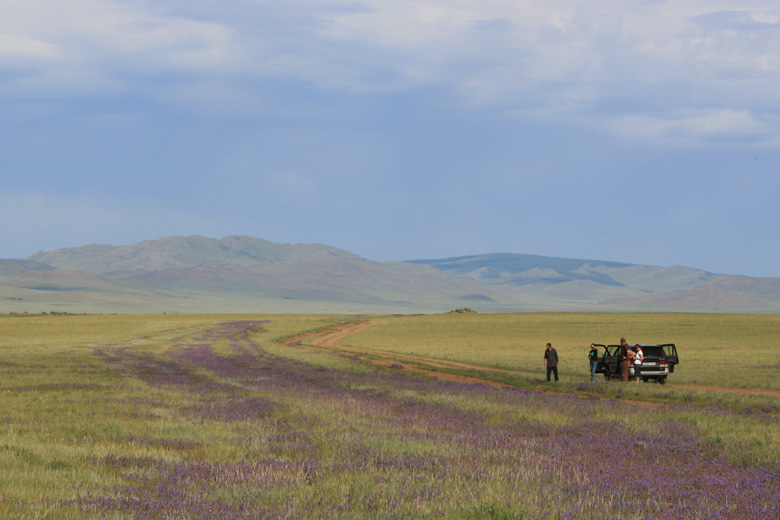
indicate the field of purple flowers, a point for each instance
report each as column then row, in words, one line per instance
column 236, row 432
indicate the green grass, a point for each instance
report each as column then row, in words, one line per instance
column 62, row 408
column 715, row 349
column 81, row 414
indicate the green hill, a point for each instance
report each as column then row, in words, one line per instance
column 246, row 274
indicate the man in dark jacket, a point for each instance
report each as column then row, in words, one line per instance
column 626, row 358
column 551, row 361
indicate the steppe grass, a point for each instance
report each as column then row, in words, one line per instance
column 206, row 417
column 715, row 349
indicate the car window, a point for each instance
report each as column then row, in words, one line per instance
column 653, row 351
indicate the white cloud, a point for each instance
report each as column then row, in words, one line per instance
column 569, row 54
column 107, row 45
column 565, row 58
column 715, row 125
column 14, row 46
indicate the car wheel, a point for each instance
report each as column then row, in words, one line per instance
column 607, row 375
column 662, row 380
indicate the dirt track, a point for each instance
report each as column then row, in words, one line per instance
column 330, row 340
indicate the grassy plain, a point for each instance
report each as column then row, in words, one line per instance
column 715, row 349
column 206, row 417
column 64, row 408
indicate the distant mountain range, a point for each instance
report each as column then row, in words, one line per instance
column 246, row 274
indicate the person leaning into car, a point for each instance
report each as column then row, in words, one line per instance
column 625, row 358
column 551, row 361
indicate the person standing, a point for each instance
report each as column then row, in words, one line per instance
column 638, row 358
column 551, row 361
column 625, row 360
column 593, row 357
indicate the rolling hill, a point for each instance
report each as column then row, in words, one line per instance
column 579, row 285
column 246, row 274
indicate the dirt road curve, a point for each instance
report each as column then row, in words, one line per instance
column 331, row 339
column 412, row 363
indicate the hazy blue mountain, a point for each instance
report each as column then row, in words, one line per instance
column 514, row 269
column 506, row 269
column 578, row 284
column 246, row 274
column 513, row 263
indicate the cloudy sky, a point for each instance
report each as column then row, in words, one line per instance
column 625, row 130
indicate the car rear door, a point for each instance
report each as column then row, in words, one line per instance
column 671, row 355
column 611, row 358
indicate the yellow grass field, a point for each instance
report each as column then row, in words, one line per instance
column 740, row 350
column 246, row 416
column 715, row 349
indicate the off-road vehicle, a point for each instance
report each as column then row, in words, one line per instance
column 659, row 361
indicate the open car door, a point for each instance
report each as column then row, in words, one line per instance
column 610, row 362
column 671, row 355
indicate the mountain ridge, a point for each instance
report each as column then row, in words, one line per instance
column 243, row 273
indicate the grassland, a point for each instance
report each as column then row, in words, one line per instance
column 204, row 416
column 734, row 350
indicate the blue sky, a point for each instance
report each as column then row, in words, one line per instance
column 635, row 131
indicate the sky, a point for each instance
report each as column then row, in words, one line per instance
column 633, row 131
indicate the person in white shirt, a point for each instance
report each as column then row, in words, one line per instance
column 638, row 357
